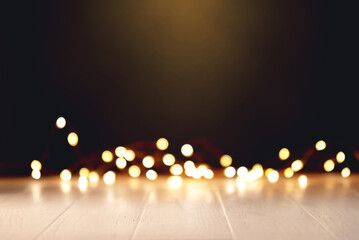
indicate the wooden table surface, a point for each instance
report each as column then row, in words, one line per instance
column 326, row 208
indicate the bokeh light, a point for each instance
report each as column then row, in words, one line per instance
column 134, row 171
column 229, row 172
column 174, row 181
column 320, row 145
column 73, row 139
column 36, row 165
column 168, row 159
column 121, row 163
column 340, row 157
column 65, row 175
column 83, row 182
column 36, row 174
column 176, row 169
column 297, row 165
column 187, row 150
column 288, row 172
column 162, row 144
column 345, row 172
column 148, row 161
column 107, row 156
column 329, row 165
column 60, row 122
column 284, row 154
column 303, row 180
column 225, row 161
column 109, row 177
column 120, row 152
column 273, row 176
column 267, row 171
column 130, row 155
column 208, row 174
column 84, row 172
column 94, row 177
column 242, row 172
column 151, row 174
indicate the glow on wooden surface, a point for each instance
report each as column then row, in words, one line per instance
column 148, row 161
column 303, row 180
column 242, row 172
column 36, row 174
column 162, row 144
column 176, row 169
column 134, row 171
column 284, row 154
column 36, row 165
column 329, row 165
column 121, row 163
column 73, row 139
column 297, row 165
column 174, row 181
column 83, row 183
column 65, row 175
column 225, row 161
column 320, row 145
column 130, row 155
column 345, row 172
column 120, row 152
column 60, row 122
column 151, row 174
column 288, row 172
column 109, row 177
column 187, row 150
column 229, row 172
column 340, row 157
column 168, row 159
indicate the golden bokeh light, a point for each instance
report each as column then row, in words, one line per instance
column 36, row 174
column 65, row 175
column 196, row 173
column 168, row 159
column 345, row 172
column 162, row 144
column 130, row 155
column 320, row 145
column 229, row 172
column 107, row 156
column 273, row 176
column 303, row 180
column 109, row 177
column 84, row 172
column 208, row 174
column 288, row 172
column 174, row 181
column 148, row 161
column 187, row 150
column 94, row 177
column 60, row 122
column 297, row 165
column 189, row 165
column 73, row 139
column 242, row 172
column 267, row 171
column 134, row 171
column 151, row 174
column 225, row 161
column 284, row 154
column 83, row 182
column 176, row 169
column 340, row 157
column 120, row 152
column 36, row 165
column 121, row 163
column 329, row 165
column 257, row 170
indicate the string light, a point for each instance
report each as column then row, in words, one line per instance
column 273, row 176
column 345, row 172
column 168, row 159
column 320, row 145
column 288, row 172
column 225, row 161
column 134, row 171
column 65, row 175
column 151, row 174
column 242, row 172
column 329, row 165
column 340, row 157
column 109, row 177
column 107, row 156
column 120, row 152
column 297, row 165
column 121, row 163
column 162, row 144
column 60, row 122
column 176, row 169
column 84, row 172
column 284, row 154
column 229, row 172
column 36, row 174
column 73, row 139
column 36, row 165
column 130, row 155
column 148, row 161
column 94, row 177
column 187, row 150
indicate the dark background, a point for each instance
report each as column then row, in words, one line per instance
column 249, row 76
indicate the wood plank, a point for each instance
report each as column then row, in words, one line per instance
column 12, row 186
column 189, row 212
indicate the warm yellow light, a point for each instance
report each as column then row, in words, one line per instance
column 189, row 165
column 297, row 165
column 340, row 157
column 225, row 161
column 345, row 172
column 151, row 174
column 73, row 139
column 121, row 163
column 273, row 176
column 252, row 175
column 134, row 171
column 242, row 172
column 109, row 177
column 284, row 154
column 60, row 123
column 288, row 172
column 107, row 156
column 208, row 174
column 187, row 150
column 36, row 174
column 120, row 152
column 303, row 180
column 229, row 172
column 162, row 144
column 65, row 175
column 94, row 177
column 196, row 173
column 267, row 171
column 83, row 182
column 84, row 172
column 320, row 145
column 36, row 165
column 148, row 161
column 168, row 159
column 176, row 169
column 257, row 170
column 130, row 155
column 329, row 165
column 175, row 181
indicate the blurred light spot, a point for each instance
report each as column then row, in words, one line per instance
column 60, row 122
column 83, row 182
column 225, row 161
column 120, row 151
column 36, row 174
column 208, row 174
column 151, row 174
column 302, row 180
column 329, row 165
column 84, row 172
column 134, row 171
column 176, row 169
column 65, row 175
column 229, row 172
column 288, row 172
column 196, row 173
column 168, row 159
column 94, row 177
column 189, row 165
column 187, row 150
column 320, row 145
column 242, row 172
column 121, row 163
column 148, row 161
column 175, row 181
column 73, row 139
column 267, row 171
column 130, row 155
column 345, row 172
column 65, row 187
column 284, row 154
column 109, row 177
column 257, row 170
column 36, row 165
column 162, row 144
column 107, row 156
column 297, row 165
column 273, row 176
column 340, row 157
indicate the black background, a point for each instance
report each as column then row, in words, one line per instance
column 249, row 76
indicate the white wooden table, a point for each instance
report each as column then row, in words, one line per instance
column 327, row 208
